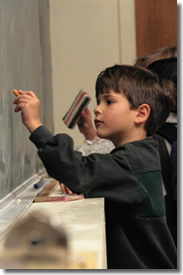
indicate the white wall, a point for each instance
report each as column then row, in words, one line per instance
column 86, row 37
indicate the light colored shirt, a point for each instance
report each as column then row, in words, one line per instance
column 97, row 145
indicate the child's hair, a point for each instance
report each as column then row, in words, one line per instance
column 166, row 69
column 161, row 53
column 140, row 85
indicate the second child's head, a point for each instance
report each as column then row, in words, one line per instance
column 140, row 87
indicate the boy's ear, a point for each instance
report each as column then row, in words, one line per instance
column 143, row 112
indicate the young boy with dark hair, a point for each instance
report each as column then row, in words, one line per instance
column 132, row 104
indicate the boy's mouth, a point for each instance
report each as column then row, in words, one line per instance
column 97, row 122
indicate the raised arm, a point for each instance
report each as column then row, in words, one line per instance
column 28, row 103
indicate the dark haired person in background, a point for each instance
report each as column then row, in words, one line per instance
column 167, row 140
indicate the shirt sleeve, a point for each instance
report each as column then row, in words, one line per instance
column 96, row 175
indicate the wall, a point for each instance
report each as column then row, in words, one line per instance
column 156, row 24
column 21, row 68
column 86, row 37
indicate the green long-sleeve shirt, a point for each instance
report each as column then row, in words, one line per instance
column 129, row 178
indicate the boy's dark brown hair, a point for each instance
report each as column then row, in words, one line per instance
column 140, row 85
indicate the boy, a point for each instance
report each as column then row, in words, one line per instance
column 132, row 104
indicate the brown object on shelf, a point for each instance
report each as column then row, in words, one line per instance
column 42, row 196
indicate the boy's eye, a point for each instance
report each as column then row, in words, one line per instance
column 109, row 102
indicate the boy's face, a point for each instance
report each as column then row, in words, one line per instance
column 114, row 120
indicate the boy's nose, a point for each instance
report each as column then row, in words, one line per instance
column 96, row 110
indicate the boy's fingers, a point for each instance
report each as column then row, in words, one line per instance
column 65, row 189
column 62, row 186
column 19, row 100
column 17, row 109
column 29, row 93
column 69, row 191
column 25, row 98
column 86, row 109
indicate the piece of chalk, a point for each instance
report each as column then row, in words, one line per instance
column 16, row 92
column 39, row 184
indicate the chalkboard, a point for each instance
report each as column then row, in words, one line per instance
column 24, row 52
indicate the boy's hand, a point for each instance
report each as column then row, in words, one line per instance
column 85, row 125
column 29, row 104
column 65, row 189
